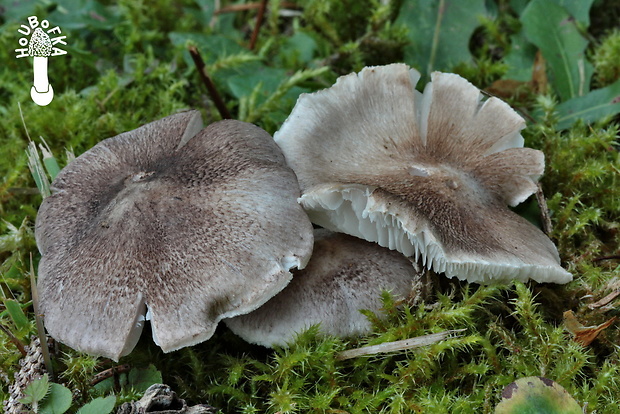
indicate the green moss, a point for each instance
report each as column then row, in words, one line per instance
column 355, row 34
column 605, row 59
column 582, row 181
column 508, row 336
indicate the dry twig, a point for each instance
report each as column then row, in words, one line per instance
column 204, row 76
column 13, row 339
column 604, row 301
column 410, row 343
column 544, row 210
column 259, row 23
column 38, row 317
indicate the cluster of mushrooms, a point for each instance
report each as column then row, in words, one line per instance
column 186, row 227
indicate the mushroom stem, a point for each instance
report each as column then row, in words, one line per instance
column 41, row 92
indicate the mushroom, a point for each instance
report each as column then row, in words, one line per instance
column 192, row 225
column 40, row 48
column 344, row 276
column 428, row 174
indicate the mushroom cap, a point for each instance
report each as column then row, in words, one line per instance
column 193, row 225
column 344, row 275
column 428, row 174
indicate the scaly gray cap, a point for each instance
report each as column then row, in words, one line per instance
column 192, row 225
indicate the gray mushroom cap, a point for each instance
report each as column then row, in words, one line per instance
column 344, row 275
column 193, row 225
column 428, row 174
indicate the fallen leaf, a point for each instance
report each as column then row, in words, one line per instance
column 539, row 74
column 536, row 395
column 604, row 301
column 507, row 88
column 583, row 334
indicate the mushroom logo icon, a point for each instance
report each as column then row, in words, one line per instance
column 40, row 46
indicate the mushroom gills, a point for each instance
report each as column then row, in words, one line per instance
column 359, row 214
column 429, row 174
column 352, row 215
column 142, row 315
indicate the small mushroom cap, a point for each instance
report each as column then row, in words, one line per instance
column 193, row 226
column 427, row 174
column 344, row 276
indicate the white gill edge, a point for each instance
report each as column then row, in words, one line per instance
column 354, row 211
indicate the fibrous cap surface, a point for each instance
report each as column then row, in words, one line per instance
column 429, row 174
column 193, row 225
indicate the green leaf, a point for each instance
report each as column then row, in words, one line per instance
column 579, row 9
column 36, row 390
column 298, row 49
column 57, row 401
column 284, row 96
column 243, row 85
column 37, row 171
column 51, row 165
column 439, row 32
column 211, row 47
column 13, row 274
column 141, row 379
column 99, row 405
column 85, row 14
column 553, row 31
column 536, row 395
column 520, row 59
column 17, row 314
column 518, row 5
column 136, row 379
column 591, row 107
column 204, row 14
column 19, row 11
